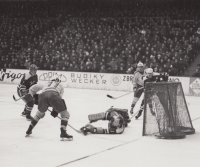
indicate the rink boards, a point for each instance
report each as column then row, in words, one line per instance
column 96, row 81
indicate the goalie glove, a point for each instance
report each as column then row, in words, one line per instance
column 90, row 128
column 54, row 113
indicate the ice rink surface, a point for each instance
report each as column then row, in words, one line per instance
column 44, row 148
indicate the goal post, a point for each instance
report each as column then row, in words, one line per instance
column 166, row 114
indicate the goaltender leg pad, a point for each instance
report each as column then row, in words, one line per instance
column 96, row 117
column 100, row 130
column 122, row 112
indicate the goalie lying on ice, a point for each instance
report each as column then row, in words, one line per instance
column 118, row 119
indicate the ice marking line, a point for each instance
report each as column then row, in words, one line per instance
column 106, row 138
column 98, row 152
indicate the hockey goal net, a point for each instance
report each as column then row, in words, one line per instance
column 166, row 113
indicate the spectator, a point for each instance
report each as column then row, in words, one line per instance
column 103, row 70
column 121, row 70
column 197, row 73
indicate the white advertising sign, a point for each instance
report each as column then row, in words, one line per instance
column 84, row 80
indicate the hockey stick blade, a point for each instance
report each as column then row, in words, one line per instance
column 18, row 98
column 118, row 96
column 110, row 96
column 78, row 131
column 15, row 98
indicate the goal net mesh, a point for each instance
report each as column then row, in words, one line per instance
column 166, row 113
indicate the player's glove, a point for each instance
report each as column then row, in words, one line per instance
column 91, row 128
column 54, row 113
column 23, row 90
column 134, row 89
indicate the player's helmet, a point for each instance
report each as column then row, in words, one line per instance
column 33, row 69
column 149, row 72
column 140, row 64
column 140, row 67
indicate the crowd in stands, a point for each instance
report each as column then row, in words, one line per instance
column 197, row 71
column 99, row 35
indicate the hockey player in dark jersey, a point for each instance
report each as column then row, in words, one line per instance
column 27, row 81
column 138, row 84
column 117, row 119
column 151, row 77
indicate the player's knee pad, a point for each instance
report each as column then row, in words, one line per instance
column 39, row 115
column 64, row 115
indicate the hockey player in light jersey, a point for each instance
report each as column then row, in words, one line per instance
column 118, row 119
column 51, row 96
column 27, row 81
column 151, row 77
column 138, row 84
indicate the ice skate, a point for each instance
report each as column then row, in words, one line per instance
column 131, row 111
column 64, row 136
column 29, row 117
column 139, row 114
column 29, row 131
column 23, row 114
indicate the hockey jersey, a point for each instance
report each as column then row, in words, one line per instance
column 137, row 80
column 157, row 77
column 50, row 86
column 28, row 80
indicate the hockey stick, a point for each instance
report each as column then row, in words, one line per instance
column 118, row 96
column 78, row 131
column 134, row 114
column 141, row 106
column 18, row 98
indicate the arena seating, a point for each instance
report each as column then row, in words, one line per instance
column 99, row 35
